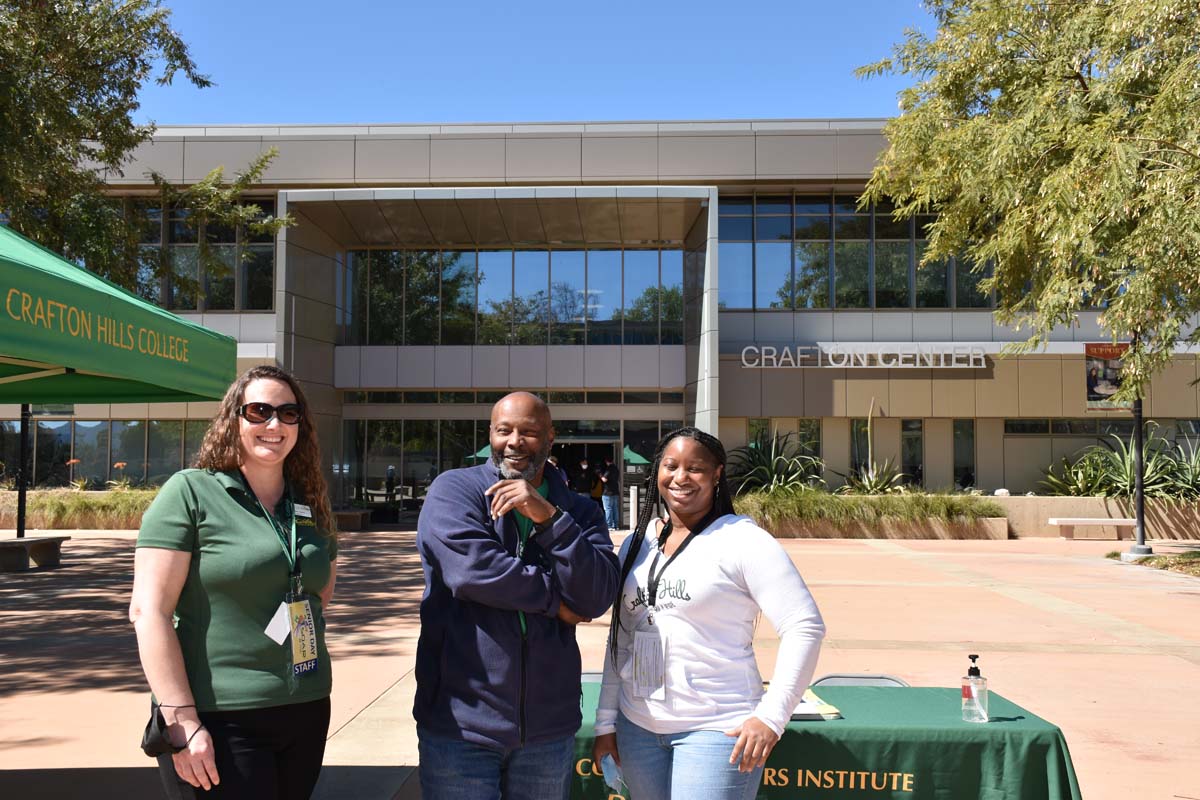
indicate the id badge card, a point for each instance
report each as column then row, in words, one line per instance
column 303, row 635
column 649, row 665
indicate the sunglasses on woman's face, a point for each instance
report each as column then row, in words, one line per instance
column 258, row 413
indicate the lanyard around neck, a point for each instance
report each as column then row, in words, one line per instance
column 653, row 580
column 291, row 554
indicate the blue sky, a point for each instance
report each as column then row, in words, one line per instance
column 354, row 61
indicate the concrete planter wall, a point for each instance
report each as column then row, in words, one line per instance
column 983, row 528
column 1027, row 516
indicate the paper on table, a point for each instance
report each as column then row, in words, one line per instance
column 812, row 707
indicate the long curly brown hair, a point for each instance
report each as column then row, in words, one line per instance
column 222, row 450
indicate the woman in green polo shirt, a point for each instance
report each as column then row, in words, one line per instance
column 235, row 565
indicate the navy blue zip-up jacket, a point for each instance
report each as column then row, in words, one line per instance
column 478, row 678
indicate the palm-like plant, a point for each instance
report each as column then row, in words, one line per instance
column 773, row 462
column 1109, row 469
column 870, row 477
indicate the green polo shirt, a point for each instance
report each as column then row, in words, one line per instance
column 236, row 579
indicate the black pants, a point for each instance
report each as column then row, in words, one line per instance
column 261, row 754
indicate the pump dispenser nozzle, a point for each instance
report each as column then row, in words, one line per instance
column 973, row 670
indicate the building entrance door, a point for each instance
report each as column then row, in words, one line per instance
column 574, row 453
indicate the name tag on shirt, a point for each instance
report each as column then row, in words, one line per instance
column 649, row 665
column 302, row 510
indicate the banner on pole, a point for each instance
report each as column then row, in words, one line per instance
column 1102, row 369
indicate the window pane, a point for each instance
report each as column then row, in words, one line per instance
column 458, row 297
column 351, row 298
column 568, row 297
column 185, row 278
column 933, row 282
column 147, row 217
column 385, row 318
column 773, row 275
column 52, row 450
column 812, row 275
column 604, row 296
column 967, row 291
column 641, row 297
column 812, row 204
column 1073, row 427
column 735, row 262
column 773, row 204
column 912, row 451
column 565, row 398
column 193, row 437
column 671, row 268
column 888, row 228
column 128, row 451
column 809, row 437
column 164, row 444
column 495, row 297
column 640, row 438
column 735, row 205
column 531, row 272
column 456, row 397
column 457, row 443
column 383, row 461
column 219, row 278
column 850, row 275
column 845, row 204
column 604, row 397
column 421, row 271
column 91, row 451
column 812, row 228
column 420, row 457
column 891, row 274
column 964, row 453
column 735, row 229
column 351, row 470
column 852, row 227
column 181, row 227
column 258, row 278
column 640, row 397
column 757, row 427
column 216, row 233
column 768, row 229
column 1026, row 426
column 149, row 269
column 267, row 208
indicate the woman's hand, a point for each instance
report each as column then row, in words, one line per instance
column 605, row 744
column 754, row 743
column 196, row 763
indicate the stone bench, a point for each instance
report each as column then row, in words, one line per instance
column 1067, row 525
column 44, row 550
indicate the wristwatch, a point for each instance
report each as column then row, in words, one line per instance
column 548, row 524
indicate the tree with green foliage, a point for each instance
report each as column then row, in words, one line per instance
column 70, row 74
column 1058, row 143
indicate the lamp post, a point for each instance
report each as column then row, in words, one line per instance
column 1139, row 548
column 23, row 470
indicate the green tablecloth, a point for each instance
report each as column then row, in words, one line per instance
column 906, row 743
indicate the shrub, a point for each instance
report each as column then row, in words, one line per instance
column 772, row 463
column 774, row 509
column 1109, row 469
column 59, row 509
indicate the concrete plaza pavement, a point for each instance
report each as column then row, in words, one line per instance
column 1110, row 652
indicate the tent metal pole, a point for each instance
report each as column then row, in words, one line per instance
column 23, row 470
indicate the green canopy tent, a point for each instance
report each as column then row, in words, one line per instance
column 630, row 457
column 69, row 336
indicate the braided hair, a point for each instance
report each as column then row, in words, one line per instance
column 722, row 505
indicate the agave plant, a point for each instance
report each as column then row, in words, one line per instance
column 874, row 478
column 1187, row 470
column 773, row 462
column 1109, row 469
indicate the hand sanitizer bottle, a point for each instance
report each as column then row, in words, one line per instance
column 974, row 694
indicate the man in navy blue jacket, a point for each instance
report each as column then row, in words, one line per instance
column 513, row 561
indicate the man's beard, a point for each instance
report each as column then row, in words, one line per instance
column 536, row 461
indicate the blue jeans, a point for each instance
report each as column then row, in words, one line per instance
column 452, row 769
column 693, row 765
column 612, row 511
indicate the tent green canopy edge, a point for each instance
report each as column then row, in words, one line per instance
column 69, row 336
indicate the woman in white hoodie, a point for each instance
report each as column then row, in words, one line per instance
column 682, row 710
